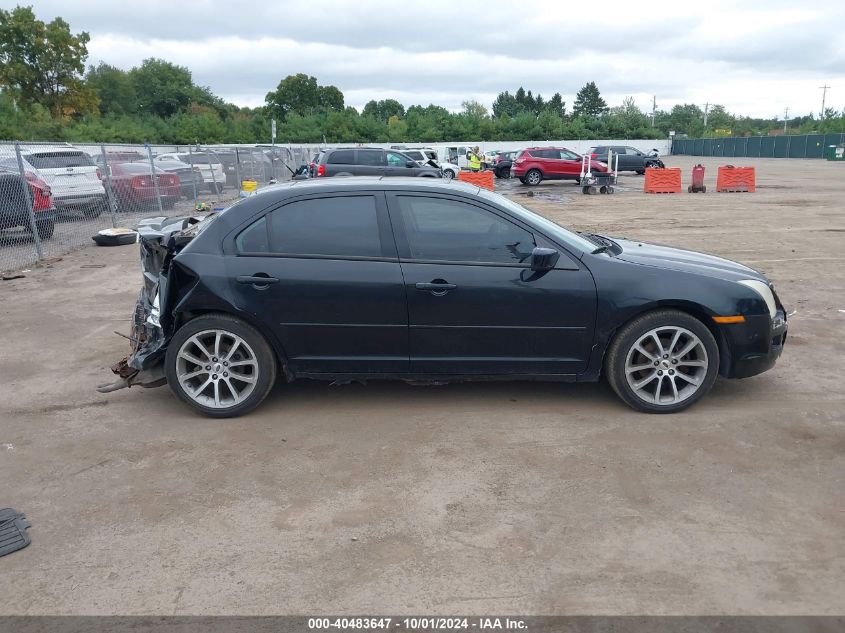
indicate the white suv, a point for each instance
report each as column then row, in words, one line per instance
column 428, row 156
column 74, row 179
column 213, row 173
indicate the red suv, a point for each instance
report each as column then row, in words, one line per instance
column 535, row 164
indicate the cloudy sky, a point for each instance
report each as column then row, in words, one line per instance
column 755, row 57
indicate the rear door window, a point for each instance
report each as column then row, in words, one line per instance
column 370, row 157
column 343, row 226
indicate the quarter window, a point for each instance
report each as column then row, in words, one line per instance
column 342, row 157
column 440, row 229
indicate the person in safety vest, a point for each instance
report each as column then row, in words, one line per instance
column 474, row 159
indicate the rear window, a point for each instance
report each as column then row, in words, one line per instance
column 59, row 160
column 342, row 157
column 200, row 159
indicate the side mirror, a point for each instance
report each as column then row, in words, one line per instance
column 411, row 163
column 543, row 259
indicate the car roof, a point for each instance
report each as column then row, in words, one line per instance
column 50, row 149
column 363, row 183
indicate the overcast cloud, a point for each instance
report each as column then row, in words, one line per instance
column 756, row 59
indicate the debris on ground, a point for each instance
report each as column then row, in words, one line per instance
column 115, row 237
column 13, row 534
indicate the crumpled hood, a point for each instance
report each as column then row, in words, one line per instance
column 672, row 258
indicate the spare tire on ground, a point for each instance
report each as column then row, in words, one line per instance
column 115, row 237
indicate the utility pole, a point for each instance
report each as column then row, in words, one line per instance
column 706, row 109
column 653, row 109
column 785, row 118
column 824, row 90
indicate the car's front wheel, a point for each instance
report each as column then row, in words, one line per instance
column 662, row 362
column 448, row 174
column 220, row 365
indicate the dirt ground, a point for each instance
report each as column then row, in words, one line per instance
column 475, row 498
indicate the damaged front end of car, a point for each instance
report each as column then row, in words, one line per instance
column 161, row 239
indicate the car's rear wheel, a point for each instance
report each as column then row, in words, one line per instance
column 533, row 177
column 662, row 362
column 220, row 365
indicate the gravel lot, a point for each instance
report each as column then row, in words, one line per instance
column 474, row 498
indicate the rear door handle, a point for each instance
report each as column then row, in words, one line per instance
column 437, row 287
column 257, row 280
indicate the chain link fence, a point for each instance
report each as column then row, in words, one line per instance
column 54, row 197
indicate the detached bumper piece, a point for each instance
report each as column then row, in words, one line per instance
column 13, row 534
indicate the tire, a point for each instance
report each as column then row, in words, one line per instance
column 533, row 177
column 252, row 352
column 689, row 189
column 703, row 188
column 641, row 172
column 45, row 228
column 522, row 180
column 448, row 174
column 692, row 373
column 578, row 181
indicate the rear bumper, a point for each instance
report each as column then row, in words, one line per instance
column 754, row 346
column 78, row 200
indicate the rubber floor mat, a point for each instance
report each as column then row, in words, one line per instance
column 13, row 534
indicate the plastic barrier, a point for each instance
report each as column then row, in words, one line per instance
column 732, row 178
column 478, row 178
column 662, row 180
column 249, row 185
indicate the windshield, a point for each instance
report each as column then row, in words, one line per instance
column 554, row 230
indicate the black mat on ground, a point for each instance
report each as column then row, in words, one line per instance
column 13, row 535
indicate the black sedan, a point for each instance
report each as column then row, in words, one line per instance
column 415, row 279
column 630, row 158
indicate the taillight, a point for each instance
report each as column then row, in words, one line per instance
column 99, row 174
column 321, row 170
column 593, row 155
column 519, row 161
column 141, row 181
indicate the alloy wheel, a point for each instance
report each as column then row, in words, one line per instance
column 666, row 365
column 216, row 369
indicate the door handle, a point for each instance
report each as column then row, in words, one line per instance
column 259, row 279
column 437, row 287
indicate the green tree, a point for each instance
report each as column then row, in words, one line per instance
column 383, row 110
column 43, row 63
column 162, row 88
column 588, row 101
column 113, row 87
column 556, row 105
column 298, row 94
column 330, row 99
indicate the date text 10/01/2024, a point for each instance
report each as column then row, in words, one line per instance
column 416, row 623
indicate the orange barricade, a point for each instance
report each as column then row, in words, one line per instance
column 662, row 180
column 732, row 178
column 478, row 178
